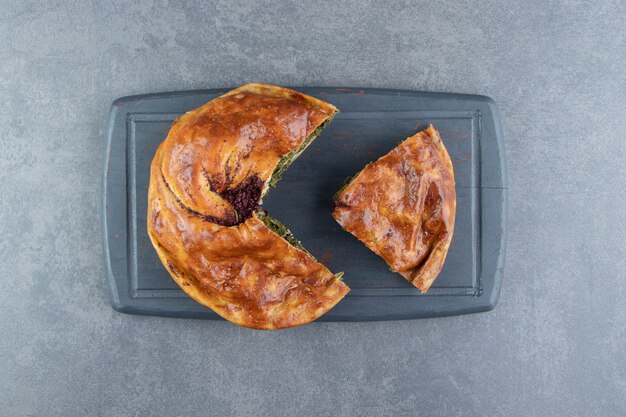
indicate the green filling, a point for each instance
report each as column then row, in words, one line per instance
column 281, row 230
column 273, row 224
column 288, row 159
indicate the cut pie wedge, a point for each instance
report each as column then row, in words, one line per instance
column 403, row 207
column 204, row 218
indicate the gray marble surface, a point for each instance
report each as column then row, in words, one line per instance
column 556, row 343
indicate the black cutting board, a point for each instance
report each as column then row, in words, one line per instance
column 371, row 123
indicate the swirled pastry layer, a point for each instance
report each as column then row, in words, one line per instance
column 206, row 183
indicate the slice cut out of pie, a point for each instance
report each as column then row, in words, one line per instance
column 204, row 217
column 403, row 206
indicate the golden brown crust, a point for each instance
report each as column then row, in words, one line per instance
column 403, row 206
column 206, row 181
column 235, row 138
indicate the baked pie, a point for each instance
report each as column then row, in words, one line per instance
column 402, row 207
column 207, row 180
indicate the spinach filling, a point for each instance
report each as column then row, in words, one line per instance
column 281, row 230
column 291, row 156
column 273, row 224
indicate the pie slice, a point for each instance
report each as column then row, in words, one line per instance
column 402, row 207
column 204, row 218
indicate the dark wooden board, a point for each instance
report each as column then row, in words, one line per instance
column 371, row 123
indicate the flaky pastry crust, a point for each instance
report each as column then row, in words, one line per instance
column 403, row 207
column 206, row 183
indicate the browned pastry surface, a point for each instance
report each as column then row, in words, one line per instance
column 402, row 207
column 206, row 183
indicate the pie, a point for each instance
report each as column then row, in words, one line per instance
column 402, row 207
column 207, row 180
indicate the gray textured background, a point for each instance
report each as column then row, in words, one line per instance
column 556, row 343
